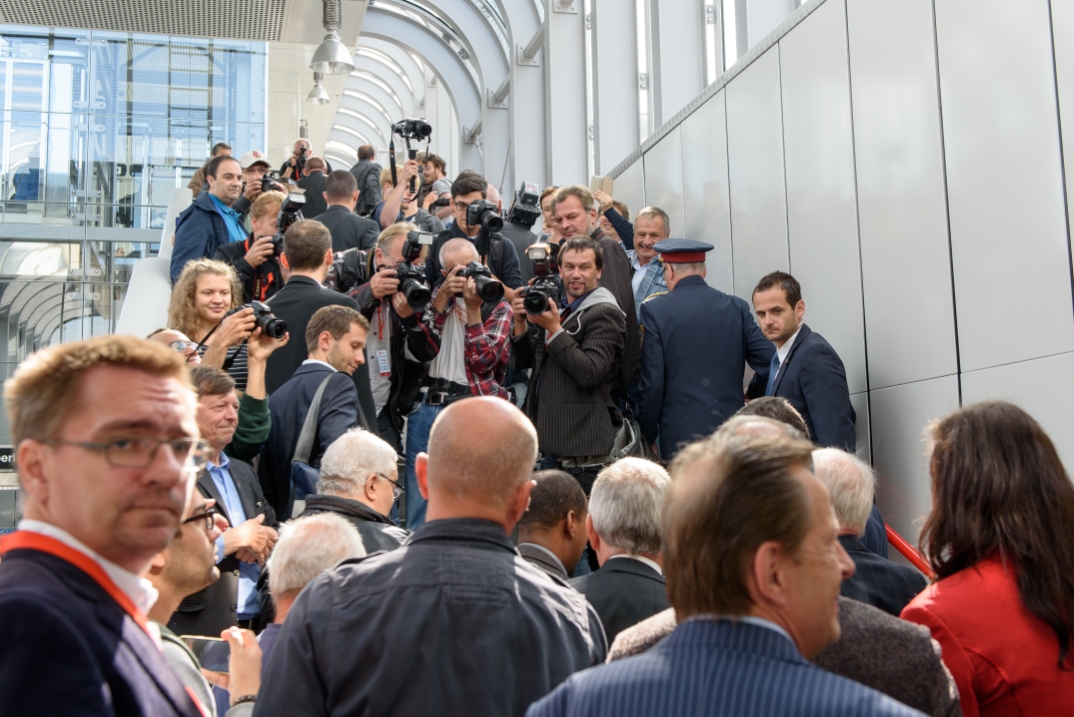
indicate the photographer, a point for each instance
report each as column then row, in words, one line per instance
column 313, row 184
column 524, row 213
column 400, row 203
column 439, row 186
column 371, row 278
column 472, row 340
column 254, row 168
column 255, row 260
column 295, row 166
column 500, row 257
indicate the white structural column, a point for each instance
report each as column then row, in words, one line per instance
column 565, row 112
column 677, row 55
column 615, row 82
column 754, row 19
column 526, row 96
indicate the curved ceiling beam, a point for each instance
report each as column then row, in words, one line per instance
column 365, row 68
column 391, row 104
column 481, row 41
column 358, row 122
column 373, row 114
column 398, row 59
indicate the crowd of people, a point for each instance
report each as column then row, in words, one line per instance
column 422, row 459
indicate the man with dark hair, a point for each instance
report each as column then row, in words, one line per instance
column 697, row 343
column 210, row 221
column 400, row 200
column 335, row 345
column 499, row 256
column 349, row 231
column 367, row 178
column 313, row 184
column 242, row 549
column 753, row 569
column 197, row 183
column 435, row 178
column 552, row 533
column 575, row 351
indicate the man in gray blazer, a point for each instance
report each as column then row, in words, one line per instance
column 552, row 533
column 348, row 230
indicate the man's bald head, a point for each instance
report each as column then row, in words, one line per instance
column 481, row 450
column 457, row 251
column 494, row 195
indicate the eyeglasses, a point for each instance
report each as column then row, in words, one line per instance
column 181, row 346
column 139, row 451
column 397, row 490
column 208, row 518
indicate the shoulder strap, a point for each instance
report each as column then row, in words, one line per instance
column 309, row 426
column 496, row 253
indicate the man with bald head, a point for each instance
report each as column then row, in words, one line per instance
column 454, row 622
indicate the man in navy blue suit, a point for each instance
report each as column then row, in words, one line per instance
column 696, row 342
column 107, row 448
column 753, row 568
column 805, row 369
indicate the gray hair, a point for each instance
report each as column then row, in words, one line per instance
column 851, row 483
column 456, row 246
column 351, row 459
column 309, row 546
column 626, row 504
column 652, row 213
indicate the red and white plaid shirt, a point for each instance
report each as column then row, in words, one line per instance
column 487, row 345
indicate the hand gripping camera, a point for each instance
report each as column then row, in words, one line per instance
column 411, row 278
column 290, row 212
column 263, row 318
column 548, row 285
column 409, row 129
column 488, row 289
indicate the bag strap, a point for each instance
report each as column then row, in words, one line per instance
column 309, row 426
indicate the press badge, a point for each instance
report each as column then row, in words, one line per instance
column 384, row 362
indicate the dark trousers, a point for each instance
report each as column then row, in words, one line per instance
column 387, row 430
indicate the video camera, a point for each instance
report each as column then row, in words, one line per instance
column 411, row 278
column 488, row 289
column 527, row 207
column 548, row 285
column 409, row 129
column 263, row 318
column 290, row 212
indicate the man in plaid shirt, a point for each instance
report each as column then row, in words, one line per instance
column 474, row 340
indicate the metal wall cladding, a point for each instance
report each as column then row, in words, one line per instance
column 755, row 168
column 1063, row 38
column 860, row 402
column 705, row 190
column 822, row 222
column 902, row 212
column 630, row 187
column 1005, row 185
column 663, row 180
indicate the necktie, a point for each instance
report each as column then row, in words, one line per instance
column 773, row 369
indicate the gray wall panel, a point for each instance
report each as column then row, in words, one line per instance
column 902, row 212
column 629, row 187
column 860, row 402
column 663, row 180
column 1063, row 37
column 755, row 167
column 706, row 199
column 1006, row 204
column 822, row 223
column 899, row 417
column 1044, row 387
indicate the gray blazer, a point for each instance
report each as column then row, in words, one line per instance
column 542, row 560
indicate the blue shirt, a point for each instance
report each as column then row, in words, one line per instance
column 248, row 572
column 232, row 220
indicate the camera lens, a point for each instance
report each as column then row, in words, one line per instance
column 488, row 289
column 535, row 302
column 416, row 293
column 272, row 326
column 493, row 222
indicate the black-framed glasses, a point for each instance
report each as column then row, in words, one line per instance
column 397, row 490
column 208, row 518
column 139, row 451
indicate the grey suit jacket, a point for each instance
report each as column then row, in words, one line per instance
column 623, row 592
column 542, row 560
column 891, row 655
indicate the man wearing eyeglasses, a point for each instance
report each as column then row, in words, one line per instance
column 243, row 548
column 107, row 450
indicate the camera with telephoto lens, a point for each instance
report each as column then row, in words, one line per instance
column 300, row 163
column 482, row 213
column 417, row 129
column 269, row 180
column 411, row 278
column 290, row 212
column 527, row 207
column 488, row 289
column 548, row 285
column 263, row 318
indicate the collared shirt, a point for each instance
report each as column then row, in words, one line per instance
column 651, row 563
column 486, row 346
column 318, row 361
column 785, row 349
column 232, row 220
column 566, row 309
column 247, row 603
column 138, row 589
column 749, row 620
column 550, row 554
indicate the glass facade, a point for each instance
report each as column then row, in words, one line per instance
column 96, row 129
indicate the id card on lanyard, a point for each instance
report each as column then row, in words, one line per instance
column 384, row 359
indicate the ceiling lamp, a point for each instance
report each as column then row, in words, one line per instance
column 317, row 95
column 332, row 57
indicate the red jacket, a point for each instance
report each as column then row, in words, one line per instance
column 1004, row 659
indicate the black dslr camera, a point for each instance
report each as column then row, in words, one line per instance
column 488, row 289
column 548, row 285
column 527, row 207
column 269, row 179
column 269, row 324
column 417, row 129
column 290, row 212
column 411, row 278
column 300, row 163
column 482, row 213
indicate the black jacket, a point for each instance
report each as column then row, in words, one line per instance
column 455, row 622
column 878, row 581
column 315, row 204
column 349, row 231
column 378, row 532
column 367, row 174
column 623, row 592
column 214, row 609
column 615, row 277
column 258, row 283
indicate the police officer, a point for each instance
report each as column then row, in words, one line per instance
column 696, row 342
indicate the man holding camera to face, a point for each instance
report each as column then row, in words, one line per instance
column 399, row 346
column 256, row 260
column 295, row 166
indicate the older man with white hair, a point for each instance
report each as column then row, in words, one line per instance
column 877, row 581
column 360, row 482
column 624, row 529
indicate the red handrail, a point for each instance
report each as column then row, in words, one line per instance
column 909, row 552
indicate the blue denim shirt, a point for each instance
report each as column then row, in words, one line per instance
column 652, row 279
column 248, row 572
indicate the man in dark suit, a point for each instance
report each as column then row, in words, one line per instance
column 243, row 548
column 335, row 340
column 753, row 568
column 307, row 248
column 105, row 438
column 696, row 344
column 552, row 533
column 313, row 184
column 805, row 369
column 349, row 231
column 877, row 581
column 575, row 352
column 624, row 529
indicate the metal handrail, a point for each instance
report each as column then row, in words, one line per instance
column 909, row 552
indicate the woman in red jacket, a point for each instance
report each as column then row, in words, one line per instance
column 1000, row 539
